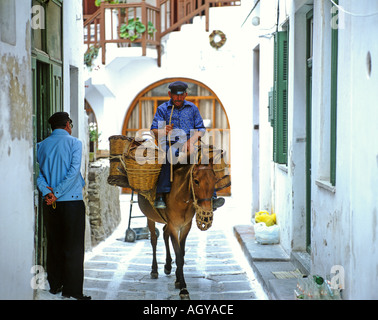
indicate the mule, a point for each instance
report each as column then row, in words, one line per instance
column 191, row 191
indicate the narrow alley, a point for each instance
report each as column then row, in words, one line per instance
column 286, row 90
column 215, row 267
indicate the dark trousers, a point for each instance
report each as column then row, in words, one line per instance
column 164, row 179
column 65, row 229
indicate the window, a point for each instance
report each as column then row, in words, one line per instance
column 143, row 109
column 278, row 106
column 54, row 30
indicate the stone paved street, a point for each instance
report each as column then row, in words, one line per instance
column 215, row 268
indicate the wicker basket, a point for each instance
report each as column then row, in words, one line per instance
column 142, row 177
column 119, row 144
column 117, row 175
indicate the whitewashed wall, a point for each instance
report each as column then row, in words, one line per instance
column 73, row 73
column 344, row 217
column 16, row 136
column 227, row 71
column 345, row 221
column 344, row 224
column 16, row 153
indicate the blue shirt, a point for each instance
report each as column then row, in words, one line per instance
column 59, row 158
column 187, row 118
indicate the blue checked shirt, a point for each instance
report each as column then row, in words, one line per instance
column 59, row 158
column 184, row 120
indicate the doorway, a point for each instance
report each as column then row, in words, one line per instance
column 256, row 133
column 47, row 99
column 142, row 110
column 310, row 24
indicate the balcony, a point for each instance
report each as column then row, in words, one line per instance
column 108, row 24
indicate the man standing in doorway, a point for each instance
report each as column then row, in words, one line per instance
column 61, row 184
column 180, row 121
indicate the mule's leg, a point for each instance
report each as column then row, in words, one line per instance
column 154, row 268
column 183, row 235
column 180, row 281
column 184, row 294
column 168, row 258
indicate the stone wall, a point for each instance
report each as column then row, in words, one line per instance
column 103, row 202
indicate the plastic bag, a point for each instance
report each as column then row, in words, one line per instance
column 267, row 235
column 266, row 217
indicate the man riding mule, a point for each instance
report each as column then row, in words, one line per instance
column 191, row 194
column 177, row 125
column 183, row 190
column 172, row 192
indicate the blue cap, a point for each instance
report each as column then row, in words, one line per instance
column 178, row 87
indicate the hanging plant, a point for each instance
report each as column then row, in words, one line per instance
column 217, row 39
column 90, row 55
column 98, row 2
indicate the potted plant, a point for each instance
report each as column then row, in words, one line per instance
column 98, row 2
column 133, row 30
column 93, row 139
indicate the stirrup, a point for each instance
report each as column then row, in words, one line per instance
column 159, row 203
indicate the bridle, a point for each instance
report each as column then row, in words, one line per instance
column 195, row 200
column 204, row 218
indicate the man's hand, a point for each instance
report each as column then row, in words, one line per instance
column 168, row 129
column 50, row 197
column 162, row 132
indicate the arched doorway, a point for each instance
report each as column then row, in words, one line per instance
column 142, row 110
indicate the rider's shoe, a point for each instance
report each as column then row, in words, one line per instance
column 159, row 203
column 218, row 202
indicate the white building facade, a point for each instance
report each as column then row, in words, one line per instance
column 40, row 73
column 187, row 55
column 324, row 193
column 321, row 180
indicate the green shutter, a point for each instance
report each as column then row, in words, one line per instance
column 280, row 106
column 57, row 89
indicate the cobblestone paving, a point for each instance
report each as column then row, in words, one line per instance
column 215, row 268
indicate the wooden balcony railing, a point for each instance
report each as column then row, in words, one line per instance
column 176, row 13
column 104, row 25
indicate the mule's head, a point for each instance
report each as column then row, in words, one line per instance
column 204, row 180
